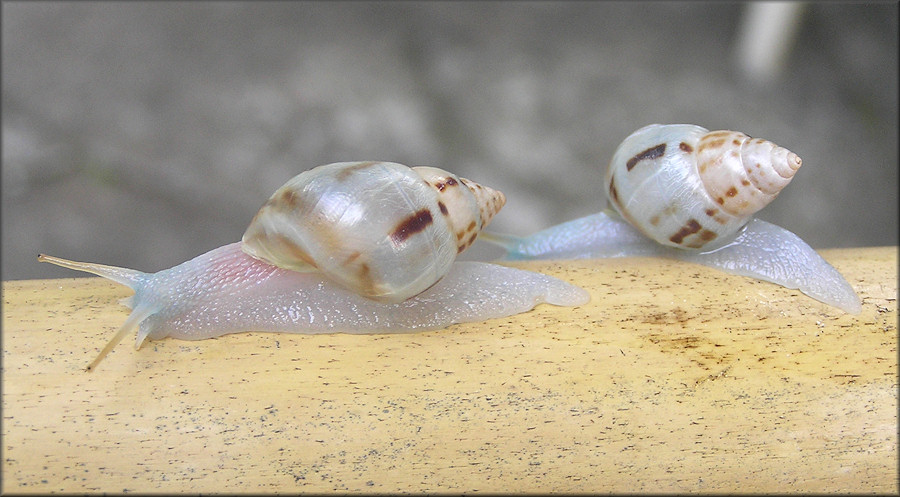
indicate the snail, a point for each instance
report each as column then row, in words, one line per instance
column 354, row 247
column 684, row 192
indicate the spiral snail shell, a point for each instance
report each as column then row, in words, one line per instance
column 683, row 192
column 353, row 247
column 381, row 229
column 685, row 186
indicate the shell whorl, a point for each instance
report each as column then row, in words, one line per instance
column 687, row 187
column 380, row 229
column 470, row 206
column 741, row 173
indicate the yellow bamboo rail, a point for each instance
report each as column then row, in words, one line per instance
column 674, row 378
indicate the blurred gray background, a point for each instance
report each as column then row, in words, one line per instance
column 143, row 134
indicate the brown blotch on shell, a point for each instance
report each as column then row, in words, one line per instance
column 716, row 143
column 685, row 147
column 289, row 199
column 465, row 237
column 365, row 279
column 352, row 257
column 614, row 199
column 699, row 241
column 650, row 153
column 691, row 227
column 345, row 172
column 613, row 193
column 276, row 239
column 441, row 185
column 713, row 213
column 719, row 133
column 466, row 244
column 731, row 192
column 443, row 208
column 408, row 227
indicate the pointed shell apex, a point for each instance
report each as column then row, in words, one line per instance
column 467, row 206
column 743, row 174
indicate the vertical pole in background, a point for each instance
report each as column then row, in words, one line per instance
column 764, row 39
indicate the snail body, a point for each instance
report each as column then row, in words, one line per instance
column 227, row 291
column 683, row 192
column 294, row 269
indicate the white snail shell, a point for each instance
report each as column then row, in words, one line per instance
column 352, row 247
column 685, row 193
column 685, row 186
column 382, row 229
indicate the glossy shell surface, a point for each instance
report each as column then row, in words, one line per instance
column 690, row 188
column 381, row 229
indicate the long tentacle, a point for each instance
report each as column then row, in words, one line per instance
column 128, row 277
column 125, row 276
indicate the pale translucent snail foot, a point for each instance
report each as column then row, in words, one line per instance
column 759, row 250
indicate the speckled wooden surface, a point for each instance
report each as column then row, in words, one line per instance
column 674, row 378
